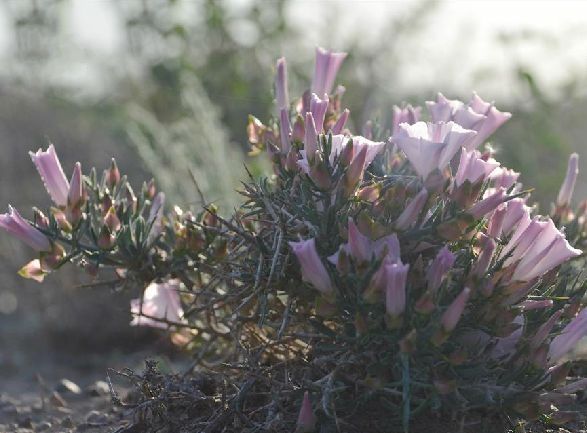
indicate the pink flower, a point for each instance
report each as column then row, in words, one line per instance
column 453, row 313
column 396, row 275
column 325, row 70
column 313, row 270
column 14, row 224
column 473, row 168
column 531, row 304
column 311, row 137
column 284, row 130
column 281, row 93
column 544, row 330
column 359, row 245
column 412, row 211
column 431, row 146
column 487, row 247
column 437, row 270
column 406, row 114
column 483, row 207
column 536, row 262
column 504, row 177
column 341, row 121
column 76, row 190
column 306, row 419
column 568, row 338
column 515, row 212
column 477, row 115
column 506, row 346
column 159, row 307
column 318, row 108
column 52, row 174
column 33, row 271
column 566, row 191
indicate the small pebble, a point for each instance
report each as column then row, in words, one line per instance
column 96, row 417
column 98, row 389
column 66, row 386
column 45, row 425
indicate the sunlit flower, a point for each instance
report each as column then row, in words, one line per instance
column 16, row 225
column 159, row 307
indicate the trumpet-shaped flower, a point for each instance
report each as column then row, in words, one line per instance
column 406, row 114
column 318, row 109
column 437, row 270
column 455, row 310
column 504, row 177
column 281, row 93
column 16, row 225
column 568, row 338
column 306, row 419
column 159, row 307
column 473, row 168
column 566, row 191
column 431, row 146
column 412, row 211
column 325, row 70
column 396, row 275
column 478, row 115
column 313, row 270
column 51, row 172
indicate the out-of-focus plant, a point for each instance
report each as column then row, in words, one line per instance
column 381, row 274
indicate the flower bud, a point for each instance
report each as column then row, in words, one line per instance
column 299, row 130
column 106, row 240
column 313, row 270
column 395, row 292
column 483, row 207
column 341, row 121
column 306, row 419
column 566, row 190
column 61, row 219
column 32, row 270
column 412, row 211
column 354, row 173
column 487, row 246
column 453, row 313
column 441, row 264
column 111, row 221
column 113, row 174
column 310, row 137
column 281, row 93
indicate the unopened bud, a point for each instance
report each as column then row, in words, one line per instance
column 106, row 240
column 111, row 220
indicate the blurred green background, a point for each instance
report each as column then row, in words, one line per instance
column 166, row 86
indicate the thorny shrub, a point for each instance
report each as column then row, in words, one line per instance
column 401, row 272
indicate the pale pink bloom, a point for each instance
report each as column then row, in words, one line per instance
column 506, row 346
column 311, row 137
column 76, row 189
column 306, row 419
column 356, row 168
column 395, row 289
column 318, row 108
column 313, row 270
column 568, row 338
column 431, row 146
column 360, row 246
column 483, row 207
column 495, row 224
column 473, row 168
column 159, row 306
column 515, row 212
column 406, row 114
column 455, row 310
column 281, row 93
column 325, row 70
column 284, row 130
column 536, row 263
column 341, row 121
column 477, row 115
column 412, row 211
column 437, row 270
column 487, row 246
column 543, row 229
column 566, row 191
column 52, row 174
column 364, row 247
column 340, row 142
column 16, row 225
column 504, row 177
column 544, row 330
